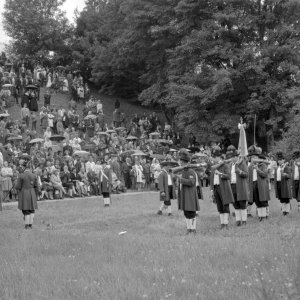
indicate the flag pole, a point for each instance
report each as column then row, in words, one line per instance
column 254, row 138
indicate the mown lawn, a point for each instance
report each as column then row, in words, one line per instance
column 75, row 252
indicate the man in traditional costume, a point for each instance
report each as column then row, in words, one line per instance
column 27, row 185
column 166, row 186
column 295, row 163
column 221, row 186
column 258, row 181
column 187, row 193
column 105, row 181
column 239, row 184
column 282, row 183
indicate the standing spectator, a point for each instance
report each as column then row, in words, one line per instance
column 33, row 121
column 155, row 171
column 25, row 114
column 27, row 186
column 47, row 98
column 6, row 173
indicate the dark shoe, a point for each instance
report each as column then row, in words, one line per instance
column 159, row 212
column 226, row 226
column 193, row 231
column 284, row 213
column 238, row 223
column 169, row 214
column 26, row 227
column 30, row 226
column 222, row 226
column 260, row 219
column 188, row 231
column 244, row 223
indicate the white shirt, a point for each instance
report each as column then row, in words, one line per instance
column 169, row 180
column 278, row 174
column 216, row 179
column 254, row 175
column 233, row 174
column 90, row 166
column 296, row 174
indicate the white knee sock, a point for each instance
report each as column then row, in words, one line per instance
column 27, row 219
column 283, row 207
column 259, row 212
column 226, row 219
column 238, row 215
column 288, row 207
column 222, row 218
column 31, row 216
column 244, row 214
column 263, row 212
column 193, row 224
column 267, row 211
column 162, row 207
column 106, row 201
column 249, row 209
column 169, row 209
column 188, row 223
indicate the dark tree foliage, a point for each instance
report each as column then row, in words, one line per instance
column 36, row 26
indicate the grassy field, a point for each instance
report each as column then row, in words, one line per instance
column 75, row 251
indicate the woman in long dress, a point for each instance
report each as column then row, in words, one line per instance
column 49, row 81
column 6, row 173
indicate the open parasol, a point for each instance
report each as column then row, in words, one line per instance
column 120, row 129
column 24, row 156
column 154, row 134
column 37, row 140
column 15, row 138
column 102, row 133
column 57, row 138
column 161, row 141
column 110, row 131
column 131, row 138
column 81, row 153
column 31, row 86
column 139, row 153
column 89, row 147
column 171, row 163
column 199, row 154
column 90, row 117
column 5, row 115
column 157, row 156
column 127, row 152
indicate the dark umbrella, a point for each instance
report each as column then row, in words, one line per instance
column 89, row 147
column 57, row 138
column 31, row 86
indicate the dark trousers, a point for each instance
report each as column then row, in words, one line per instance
column 296, row 183
column 222, row 208
column 189, row 214
column 282, row 199
column 242, row 204
column 256, row 200
column 28, row 212
column 127, row 180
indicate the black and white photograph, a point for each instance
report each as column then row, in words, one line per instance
column 150, row 149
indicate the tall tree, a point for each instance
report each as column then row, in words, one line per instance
column 36, row 25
